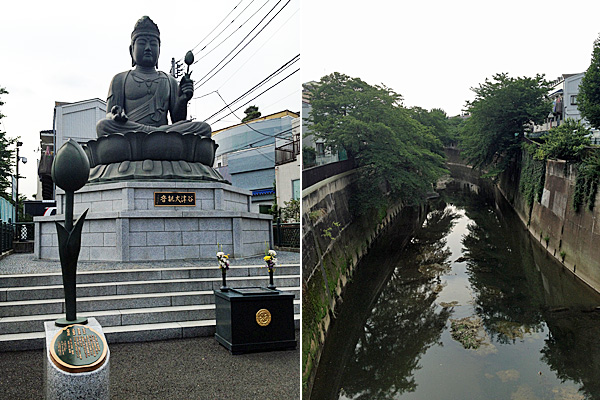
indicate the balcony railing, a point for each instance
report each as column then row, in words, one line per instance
column 287, row 153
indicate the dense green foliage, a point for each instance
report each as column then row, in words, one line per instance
column 588, row 99
column 6, row 156
column 437, row 121
column 396, row 154
column 564, row 142
column 586, row 185
column 251, row 113
column 533, row 174
column 502, row 110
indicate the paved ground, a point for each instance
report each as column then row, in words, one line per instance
column 197, row 368
column 27, row 264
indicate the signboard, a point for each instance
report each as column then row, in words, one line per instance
column 78, row 348
column 170, row 199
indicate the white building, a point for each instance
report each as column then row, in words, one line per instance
column 564, row 94
column 287, row 166
column 75, row 121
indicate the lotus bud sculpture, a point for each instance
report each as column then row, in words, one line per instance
column 70, row 172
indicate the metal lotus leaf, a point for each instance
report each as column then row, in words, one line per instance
column 71, row 167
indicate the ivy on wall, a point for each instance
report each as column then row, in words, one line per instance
column 533, row 176
column 586, row 184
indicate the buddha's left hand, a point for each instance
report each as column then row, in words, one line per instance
column 186, row 87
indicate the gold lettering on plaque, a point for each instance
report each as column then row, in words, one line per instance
column 263, row 317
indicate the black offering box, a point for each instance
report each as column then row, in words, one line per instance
column 255, row 319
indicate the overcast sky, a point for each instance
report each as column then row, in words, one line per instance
column 433, row 52
column 70, row 50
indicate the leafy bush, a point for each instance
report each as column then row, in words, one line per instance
column 565, row 142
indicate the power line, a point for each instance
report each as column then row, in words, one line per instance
column 255, row 130
column 200, row 83
column 260, row 94
column 218, row 25
column 257, row 50
column 261, row 83
column 231, row 34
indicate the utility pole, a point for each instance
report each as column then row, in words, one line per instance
column 19, row 144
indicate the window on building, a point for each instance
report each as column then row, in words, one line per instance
column 320, row 148
column 296, row 189
column 264, row 209
column 574, row 100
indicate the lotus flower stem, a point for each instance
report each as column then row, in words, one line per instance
column 69, row 210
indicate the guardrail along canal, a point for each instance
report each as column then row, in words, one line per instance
column 471, row 308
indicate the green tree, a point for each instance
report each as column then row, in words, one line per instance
column 502, row 110
column 564, row 142
column 588, row 100
column 251, row 113
column 436, row 119
column 6, row 156
column 396, row 154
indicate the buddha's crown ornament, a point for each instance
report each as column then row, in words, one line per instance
column 145, row 26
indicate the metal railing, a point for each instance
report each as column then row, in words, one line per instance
column 288, row 152
column 6, row 236
column 287, row 235
column 24, row 231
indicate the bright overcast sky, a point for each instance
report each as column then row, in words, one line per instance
column 70, row 50
column 433, row 52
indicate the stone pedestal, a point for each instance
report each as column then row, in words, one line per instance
column 124, row 223
column 61, row 385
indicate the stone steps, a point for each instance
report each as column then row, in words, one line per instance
column 131, row 305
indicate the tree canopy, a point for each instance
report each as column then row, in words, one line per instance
column 6, row 156
column 251, row 113
column 396, row 154
column 502, row 110
column 588, row 99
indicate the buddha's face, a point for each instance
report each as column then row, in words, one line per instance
column 145, row 51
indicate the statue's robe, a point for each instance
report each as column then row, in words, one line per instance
column 150, row 116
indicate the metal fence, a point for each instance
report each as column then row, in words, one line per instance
column 24, row 231
column 287, row 235
column 6, row 236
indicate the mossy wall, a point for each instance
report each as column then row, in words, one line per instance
column 544, row 203
column 333, row 241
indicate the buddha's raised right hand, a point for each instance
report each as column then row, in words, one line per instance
column 117, row 113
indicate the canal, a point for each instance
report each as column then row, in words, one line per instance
column 470, row 307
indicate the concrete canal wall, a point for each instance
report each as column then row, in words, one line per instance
column 553, row 220
column 333, row 243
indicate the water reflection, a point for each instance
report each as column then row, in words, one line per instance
column 471, row 259
column 405, row 321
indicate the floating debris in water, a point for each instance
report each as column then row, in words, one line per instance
column 512, row 330
column 443, row 304
column 434, row 270
column 468, row 331
column 508, row 375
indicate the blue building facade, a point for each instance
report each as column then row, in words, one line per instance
column 246, row 155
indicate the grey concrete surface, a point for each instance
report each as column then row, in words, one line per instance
column 26, row 263
column 195, row 368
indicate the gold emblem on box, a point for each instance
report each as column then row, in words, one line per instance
column 263, row 317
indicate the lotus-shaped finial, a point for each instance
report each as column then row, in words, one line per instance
column 71, row 167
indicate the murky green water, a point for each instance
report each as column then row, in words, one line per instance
column 524, row 328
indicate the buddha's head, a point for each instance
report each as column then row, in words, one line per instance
column 145, row 43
